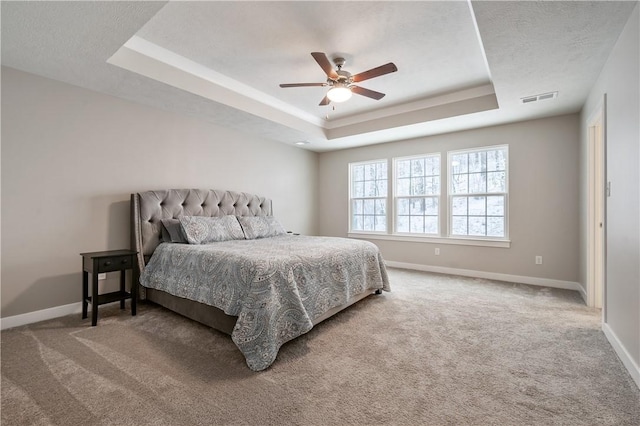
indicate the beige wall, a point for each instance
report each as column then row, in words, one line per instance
column 71, row 157
column 543, row 182
column 620, row 82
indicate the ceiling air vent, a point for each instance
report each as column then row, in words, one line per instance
column 541, row 97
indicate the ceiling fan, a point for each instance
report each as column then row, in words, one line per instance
column 341, row 82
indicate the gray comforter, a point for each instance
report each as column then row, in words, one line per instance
column 275, row 286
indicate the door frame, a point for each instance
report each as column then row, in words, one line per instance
column 596, row 208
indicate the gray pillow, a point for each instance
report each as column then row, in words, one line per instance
column 172, row 231
column 203, row 230
column 260, row 227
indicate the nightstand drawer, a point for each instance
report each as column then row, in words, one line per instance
column 116, row 263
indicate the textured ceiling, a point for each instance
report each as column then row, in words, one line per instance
column 276, row 47
column 460, row 65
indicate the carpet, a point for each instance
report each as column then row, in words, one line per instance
column 437, row 350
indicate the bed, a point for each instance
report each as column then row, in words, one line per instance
column 263, row 287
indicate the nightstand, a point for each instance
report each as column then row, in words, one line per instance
column 108, row 261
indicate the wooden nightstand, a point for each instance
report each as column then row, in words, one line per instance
column 108, row 261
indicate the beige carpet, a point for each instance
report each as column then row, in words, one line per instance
column 438, row 350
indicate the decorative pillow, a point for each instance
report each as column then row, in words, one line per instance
column 260, row 227
column 203, row 230
column 172, row 231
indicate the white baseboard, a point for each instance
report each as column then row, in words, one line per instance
column 545, row 282
column 42, row 315
column 622, row 353
column 583, row 293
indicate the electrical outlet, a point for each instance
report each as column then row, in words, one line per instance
column 538, row 260
column 437, row 251
column 102, row 276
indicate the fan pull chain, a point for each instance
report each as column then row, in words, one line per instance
column 333, row 108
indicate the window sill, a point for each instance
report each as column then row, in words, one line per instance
column 432, row 239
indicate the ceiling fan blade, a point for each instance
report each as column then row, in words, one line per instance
column 324, row 63
column 368, row 93
column 375, row 72
column 324, row 101
column 303, row 85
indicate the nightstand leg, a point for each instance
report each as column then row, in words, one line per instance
column 122, row 276
column 85, row 293
column 134, row 289
column 94, row 299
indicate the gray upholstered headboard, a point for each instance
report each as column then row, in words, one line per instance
column 149, row 208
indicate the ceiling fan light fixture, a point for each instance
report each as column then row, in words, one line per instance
column 341, row 81
column 339, row 93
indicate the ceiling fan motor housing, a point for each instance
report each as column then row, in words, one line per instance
column 344, row 79
column 343, row 76
column 339, row 62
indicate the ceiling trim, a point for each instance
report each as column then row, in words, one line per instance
column 422, row 104
column 150, row 60
column 441, row 111
column 479, row 38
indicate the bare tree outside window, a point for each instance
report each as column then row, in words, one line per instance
column 478, row 192
column 417, row 194
column 369, row 196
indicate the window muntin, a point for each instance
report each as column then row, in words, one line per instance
column 368, row 195
column 417, row 194
column 478, row 192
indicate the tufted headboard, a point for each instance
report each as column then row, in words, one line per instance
column 149, row 208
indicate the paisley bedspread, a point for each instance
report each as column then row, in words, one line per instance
column 275, row 286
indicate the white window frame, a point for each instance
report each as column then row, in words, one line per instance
column 444, row 207
column 395, row 197
column 352, row 198
column 451, row 195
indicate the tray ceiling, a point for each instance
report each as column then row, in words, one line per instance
column 460, row 64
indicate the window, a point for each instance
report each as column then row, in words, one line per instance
column 478, row 192
column 462, row 198
column 417, row 194
column 368, row 195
